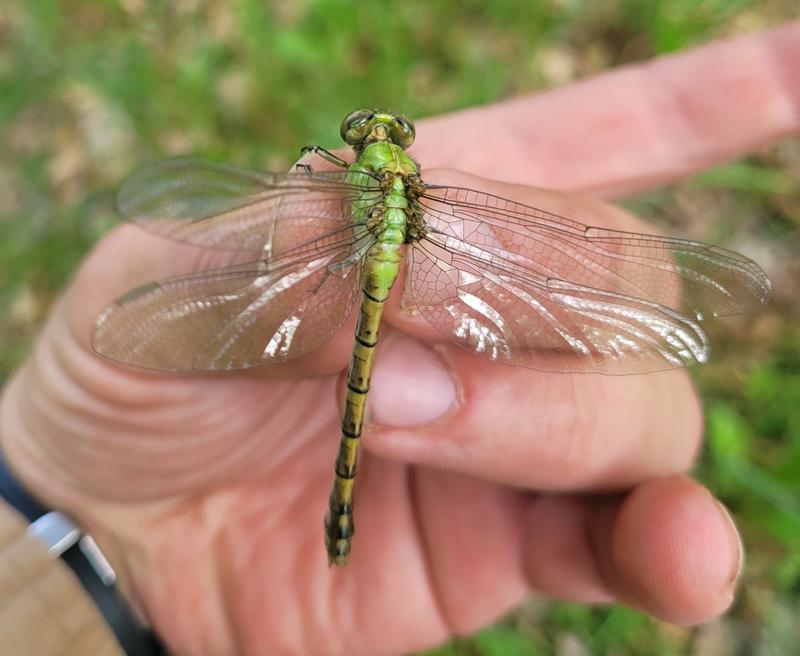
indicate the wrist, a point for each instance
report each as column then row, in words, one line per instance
column 75, row 432
column 33, row 455
column 68, row 623
column 54, row 534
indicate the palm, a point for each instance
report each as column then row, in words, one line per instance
column 230, row 495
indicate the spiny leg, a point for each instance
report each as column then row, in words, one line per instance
column 326, row 155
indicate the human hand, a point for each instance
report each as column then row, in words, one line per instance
column 207, row 492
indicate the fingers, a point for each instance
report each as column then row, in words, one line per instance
column 635, row 127
column 537, row 430
column 558, row 552
column 668, row 548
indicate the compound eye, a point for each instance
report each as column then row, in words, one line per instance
column 404, row 131
column 355, row 126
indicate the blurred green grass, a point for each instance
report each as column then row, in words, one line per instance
column 90, row 89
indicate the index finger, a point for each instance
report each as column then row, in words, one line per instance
column 632, row 128
column 559, row 431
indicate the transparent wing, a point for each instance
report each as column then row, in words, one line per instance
column 240, row 316
column 527, row 287
column 215, row 205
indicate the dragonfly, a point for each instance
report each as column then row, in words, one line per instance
column 509, row 282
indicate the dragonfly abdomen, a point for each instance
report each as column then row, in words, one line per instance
column 339, row 525
column 380, row 271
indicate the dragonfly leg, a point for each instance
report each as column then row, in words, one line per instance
column 325, row 154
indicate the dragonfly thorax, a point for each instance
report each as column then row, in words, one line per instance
column 382, row 157
column 397, row 176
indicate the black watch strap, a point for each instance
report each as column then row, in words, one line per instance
column 79, row 551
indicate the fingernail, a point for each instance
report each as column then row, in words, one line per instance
column 736, row 542
column 410, row 384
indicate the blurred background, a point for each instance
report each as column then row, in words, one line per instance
column 90, row 89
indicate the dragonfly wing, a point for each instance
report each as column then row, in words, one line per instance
column 701, row 279
column 237, row 317
column 526, row 287
column 215, row 205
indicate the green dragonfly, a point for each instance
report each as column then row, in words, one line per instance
column 510, row 282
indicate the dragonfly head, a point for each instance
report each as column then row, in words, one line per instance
column 365, row 126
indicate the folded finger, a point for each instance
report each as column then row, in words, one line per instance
column 516, row 426
column 667, row 548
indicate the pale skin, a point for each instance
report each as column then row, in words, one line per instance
column 466, row 503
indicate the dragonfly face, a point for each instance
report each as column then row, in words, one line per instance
column 509, row 282
column 365, row 126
